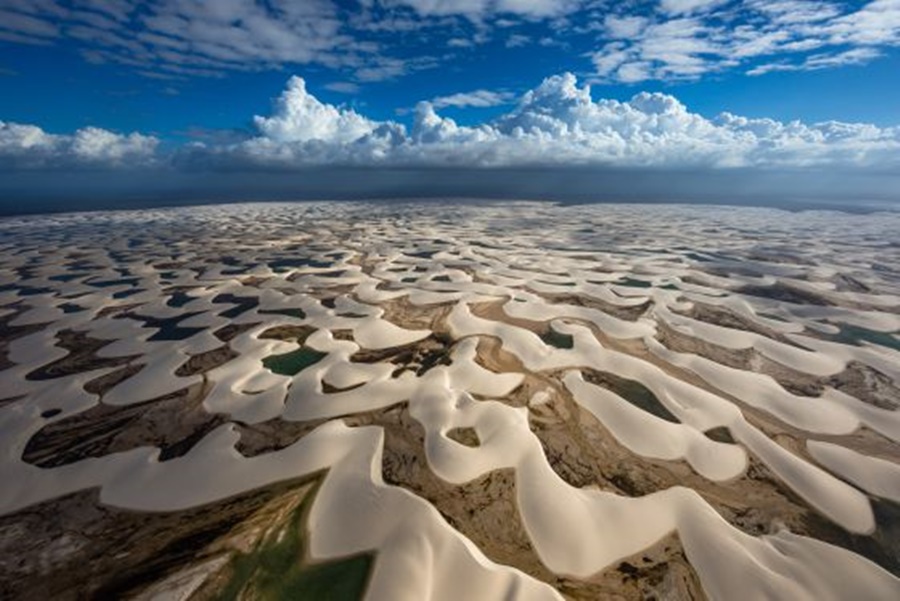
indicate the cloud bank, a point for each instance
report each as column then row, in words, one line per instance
column 556, row 124
column 29, row 146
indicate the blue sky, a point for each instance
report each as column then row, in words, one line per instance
column 70, row 64
column 243, row 84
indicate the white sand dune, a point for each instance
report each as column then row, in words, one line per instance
column 649, row 436
column 876, row 476
column 351, row 270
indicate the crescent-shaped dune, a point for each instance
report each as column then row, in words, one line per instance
column 618, row 403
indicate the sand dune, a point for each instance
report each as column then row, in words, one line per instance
column 478, row 323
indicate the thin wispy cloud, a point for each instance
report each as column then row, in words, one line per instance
column 377, row 40
column 482, row 9
column 689, row 39
column 184, row 38
column 476, row 98
column 343, row 87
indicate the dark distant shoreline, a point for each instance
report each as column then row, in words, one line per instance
column 37, row 192
column 793, row 206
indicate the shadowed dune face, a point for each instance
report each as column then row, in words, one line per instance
column 434, row 401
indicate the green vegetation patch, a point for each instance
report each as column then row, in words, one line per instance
column 720, row 434
column 632, row 391
column 633, row 283
column 856, row 335
column 276, row 570
column 292, row 363
column 558, row 339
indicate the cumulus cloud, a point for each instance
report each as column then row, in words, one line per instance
column 303, row 130
column 29, row 146
column 557, row 123
column 300, row 117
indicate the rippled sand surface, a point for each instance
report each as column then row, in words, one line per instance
column 450, row 401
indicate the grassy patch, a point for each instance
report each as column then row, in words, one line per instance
column 856, row 335
column 633, row 283
column 290, row 364
column 632, row 391
column 276, row 570
column 558, row 339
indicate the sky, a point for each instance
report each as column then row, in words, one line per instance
column 107, row 95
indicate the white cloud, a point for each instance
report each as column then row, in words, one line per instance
column 795, row 11
column 343, row 87
column 209, row 37
column 856, row 56
column 477, row 98
column 233, row 31
column 478, row 9
column 878, row 22
column 677, row 7
column 557, row 123
column 460, row 43
column 300, row 117
column 27, row 25
column 517, row 40
column 29, row 146
column 688, row 39
column 618, row 26
column 93, row 144
column 375, row 40
column 191, row 37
